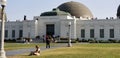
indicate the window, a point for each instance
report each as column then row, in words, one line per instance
column 82, row 33
column 13, row 33
column 6, row 33
column 20, row 33
column 101, row 33
column 111, row 33
column 91, row 33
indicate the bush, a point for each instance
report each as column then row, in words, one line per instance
column 19, row 38
column 10, row 40
column 103, row 41
column 38, row 37
column 77, row 39
column 63, row 38
column 83, row 40
column 118, row 41
column 66, row 41
column 112, row 40
column 92, row 41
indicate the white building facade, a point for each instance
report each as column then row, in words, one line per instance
column 56, row 23
column 18, row 29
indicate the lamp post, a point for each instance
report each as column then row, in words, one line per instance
column 2, row 51
column 69, row 39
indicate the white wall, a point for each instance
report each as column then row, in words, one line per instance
column 14, row 25
column 99, row 24
column 64, row 31
column 21, row 25
column 32, row 28
column 43, row 21
column 29, row 28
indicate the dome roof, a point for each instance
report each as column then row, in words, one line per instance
column 76, row 9
column 118, row 11
column 54, row 12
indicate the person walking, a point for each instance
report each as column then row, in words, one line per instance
column 47, row 41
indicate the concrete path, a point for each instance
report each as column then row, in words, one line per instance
column 21, row 51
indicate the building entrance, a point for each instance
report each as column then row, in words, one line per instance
column 50, row 29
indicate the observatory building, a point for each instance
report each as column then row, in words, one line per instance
column 72, row 18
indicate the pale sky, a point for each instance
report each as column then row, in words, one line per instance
column 16, row 9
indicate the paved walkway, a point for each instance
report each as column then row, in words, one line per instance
column 21, row 51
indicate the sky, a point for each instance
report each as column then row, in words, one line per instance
column 16, row 9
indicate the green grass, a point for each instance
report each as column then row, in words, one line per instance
column 79, row 51
column 14, row 46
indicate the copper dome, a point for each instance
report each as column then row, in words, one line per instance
column 76, row 9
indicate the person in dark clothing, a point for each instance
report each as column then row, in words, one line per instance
column 47, row 41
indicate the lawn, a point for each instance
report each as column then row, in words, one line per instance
column 79, row 51
column 14, row 46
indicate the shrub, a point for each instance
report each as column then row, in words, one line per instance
column 118, row 41
column 103, row 41
column 83, row 40
column 19, row 38
column 77, row 39
column 112, row 40
column 10, row 40
column 37, row 37
column 92, row 41
column 66, row 41
column 63, row 38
